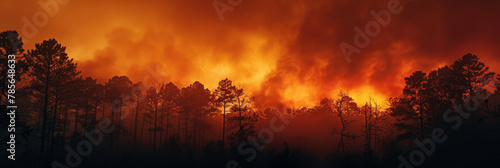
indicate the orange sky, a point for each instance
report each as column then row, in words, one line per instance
column 282, row 52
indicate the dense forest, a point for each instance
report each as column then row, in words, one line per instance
column 448, row 117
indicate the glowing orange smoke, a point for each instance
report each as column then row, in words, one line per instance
column 281, row 52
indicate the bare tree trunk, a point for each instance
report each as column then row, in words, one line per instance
column 187, row 129
column 161, row 125
column 240, row 119
column 224, row 125
column 131, row 136
column 194, row 133
column 112, row 134
column 154, row 127
column 94, row 119
column 179, row 124
column 142, row 128
column 65, row 120
column 45, row 111
column 120, row 126
column 368, row 124
column 167, row 127
column 339, row 110
column 135, row 126
column 86, row 114
column 53, row 125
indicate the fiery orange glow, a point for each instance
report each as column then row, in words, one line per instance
column 286, row 53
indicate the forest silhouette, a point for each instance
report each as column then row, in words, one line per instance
column 65, row 119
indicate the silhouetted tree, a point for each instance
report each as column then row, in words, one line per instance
column 47, row 62
column 67, row 92
column 427, row 96
column 139, row 92
column 117, row 89
column 169, row 94
column 242, row 118
column 373, row 120
column 195, row 104
column 344, row 108
column 152, row 104
column 493, row 102
column 88, row 95
column 10, row 44
column 226, row 95
column 473, row 74
column 414, row 92
column 472, row 71
column 368, row 115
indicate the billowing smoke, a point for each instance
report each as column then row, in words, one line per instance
column 282, row 52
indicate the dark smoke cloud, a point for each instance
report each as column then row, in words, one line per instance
column 283, row 52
